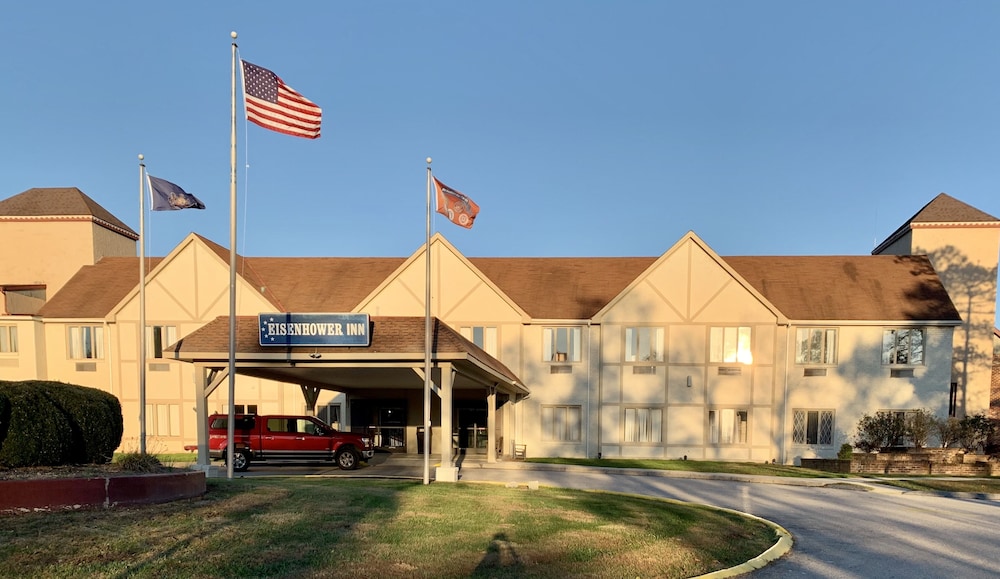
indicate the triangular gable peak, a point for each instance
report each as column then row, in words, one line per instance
column 942, row 211
column 194, row 278
column 690, row 283
column 459, row 291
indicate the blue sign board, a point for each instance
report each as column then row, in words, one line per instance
column 286, row 329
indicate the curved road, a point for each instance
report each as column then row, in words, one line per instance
column 841, row 529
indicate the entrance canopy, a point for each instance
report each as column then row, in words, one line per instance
column 396, row 349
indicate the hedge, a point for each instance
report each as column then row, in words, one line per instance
column 45, row 423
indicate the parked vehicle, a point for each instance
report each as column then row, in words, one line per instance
column 281, row 438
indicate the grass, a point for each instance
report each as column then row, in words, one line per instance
column 303, row 527
column 751, row 468
column 166, row 457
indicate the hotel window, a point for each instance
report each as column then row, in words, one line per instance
column 727, row 426
column 816, row 346
column 8, row 339
column 86, row 342
column 163, row 419
column 158, row 337
column 483, row 336
column 330, row 414
column 903, row 346
column 643, row 344
column 561, row 423
column 644, row 425
column 245, row 408
column 730, row 344
column 561, row 345
column 812, row 427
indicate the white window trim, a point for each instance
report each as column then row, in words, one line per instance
column 633, row 342
column 730, row 345
column 715, row 419
column 828, row 353
column 631, row 418
column 908, row 364
column 574, row 348
column 819, row 425
column 571, row 426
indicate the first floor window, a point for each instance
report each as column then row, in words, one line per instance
column 644, row 425
column 86, row 342
column 812, row 427
column 158, row 337
column 483, row 336
column 561, row 423
column 816, row 346
column 561, row 345
column 727, row 426
column 643, row 344
column 163, row 419
column 8, row 339
column 903, row 346
column 245, row 408
column 730, row 344
column 330, row 414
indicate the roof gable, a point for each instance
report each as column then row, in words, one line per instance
column 942, row 209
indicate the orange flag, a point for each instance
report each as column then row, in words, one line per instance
column 457, row 207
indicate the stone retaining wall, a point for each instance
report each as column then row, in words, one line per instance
column 934, row 461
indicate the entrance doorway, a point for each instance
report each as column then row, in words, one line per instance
column 383, row 420
column 470, row 426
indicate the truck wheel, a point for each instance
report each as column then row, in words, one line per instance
column 347, row 459
column 241, row 461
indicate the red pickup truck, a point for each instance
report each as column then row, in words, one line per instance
column 285, row 438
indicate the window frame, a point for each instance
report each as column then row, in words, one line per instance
column 633, row 343
column 801, row 427
column 827, row 353
column 160, row 417
column 551, row 341
column 96, row 333
column 739, row 429
column 653, row 430
column 571, row 427
column 890, row 353
column 726, row 345
column 157, row 337
column 8, row 339
column 489, row 334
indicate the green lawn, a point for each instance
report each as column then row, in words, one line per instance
column 296, row 527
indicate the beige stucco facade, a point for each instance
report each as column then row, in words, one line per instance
column 689, row 359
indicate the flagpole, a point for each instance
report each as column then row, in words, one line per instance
column 427, row 341
column 230, row 431
column 142, row 306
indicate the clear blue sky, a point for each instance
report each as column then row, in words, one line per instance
column 581, row 128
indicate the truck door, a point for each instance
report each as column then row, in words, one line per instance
column 295, row 438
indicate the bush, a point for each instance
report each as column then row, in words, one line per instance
column 919, row 427
column 50, row 423
column 973, row 432
column 948, row 430
column 881, row 431
column 846, row 451
column 139, row 462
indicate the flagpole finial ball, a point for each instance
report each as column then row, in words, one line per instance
column 233, row 34
column 141, row 157
column 429, row 160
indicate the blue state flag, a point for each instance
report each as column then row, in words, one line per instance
column 169, row 197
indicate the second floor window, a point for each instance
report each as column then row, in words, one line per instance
column 86, row 342
column 483, row 336
column 730, row 345
column 903, row 346
column 816, row 346
column 643, row 344
column 8, row 339
column 561, row 345
column 157, row 338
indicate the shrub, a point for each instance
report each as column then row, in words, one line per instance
column 881, row 431
column 846, row 451
column 919, row 427
column 139, row 462
column 948, row 430
column 50, row 423
column 974, row 431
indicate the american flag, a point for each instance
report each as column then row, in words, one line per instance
column 274, row 105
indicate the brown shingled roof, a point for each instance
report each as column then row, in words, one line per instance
column 322, row 284
column 95, row 289
column 572, row 288
column 942, row 209
column 60, row 201
column 877, row 287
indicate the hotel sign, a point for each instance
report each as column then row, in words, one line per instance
column 284, row 329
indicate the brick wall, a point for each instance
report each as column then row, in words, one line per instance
column 995, row 389
column 944, row 461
